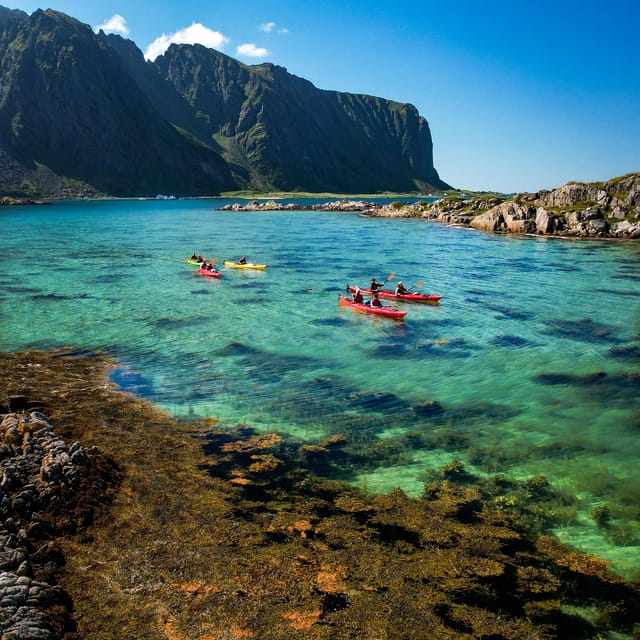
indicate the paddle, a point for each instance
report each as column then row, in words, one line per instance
column 417, row 284
column 391, row 277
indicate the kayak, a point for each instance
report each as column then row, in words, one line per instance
column 208, row 273
column 247, row 265
column 190, row 261
column 405, row 297
column 388, row 312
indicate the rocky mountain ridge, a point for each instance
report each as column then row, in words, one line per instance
column 83, row 114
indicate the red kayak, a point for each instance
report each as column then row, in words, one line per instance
column 388, row 312
column 406, row 297
column 208, row 273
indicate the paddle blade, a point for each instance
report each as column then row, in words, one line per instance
column 419, row 284
column 391, row 276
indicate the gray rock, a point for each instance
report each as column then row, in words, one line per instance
column 599, row 225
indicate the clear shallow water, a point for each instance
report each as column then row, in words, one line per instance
column 532, row 357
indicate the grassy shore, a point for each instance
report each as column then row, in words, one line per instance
column 304, row 194
column 234, row 534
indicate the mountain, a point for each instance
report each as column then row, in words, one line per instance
column 84, row 114
column 72, row 117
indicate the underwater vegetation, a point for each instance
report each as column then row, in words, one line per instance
column 630, row 353
column 235, row 533
column 507, row 340
column 584, row 330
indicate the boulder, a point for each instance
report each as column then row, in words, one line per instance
column 570, row 195
column 547, row 221
column 492, row 221
column 626, row 229
column 599, row 226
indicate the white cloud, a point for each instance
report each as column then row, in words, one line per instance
column 195, row 34
column 268, row 27
column 115, row 24
column 250, row 50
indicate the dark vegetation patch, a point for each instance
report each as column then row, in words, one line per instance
column 329, row 322
column 619, row 292
column 585, row 330
column 56, row 297
column 508, row 312
column 629, row 353
column 507, row 340
column 177, row 323
column 110, row 277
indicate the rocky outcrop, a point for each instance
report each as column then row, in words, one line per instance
column 273, row 205
column 47, row 488
column 606, row 210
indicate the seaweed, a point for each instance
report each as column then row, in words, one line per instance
column 226, row 532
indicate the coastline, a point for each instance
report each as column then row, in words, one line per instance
column 575, row 210
column 205, row 533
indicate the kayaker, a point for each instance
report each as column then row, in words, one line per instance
column 374, row 286
column 243, row 260
column 194, row 257
column 357, row 296
column 375, row 300
column 400, row 289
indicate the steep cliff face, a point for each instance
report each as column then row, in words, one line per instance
column 287, row 134
column 87, row 110
column 68, row 104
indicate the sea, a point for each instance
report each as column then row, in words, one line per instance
column 528, row 368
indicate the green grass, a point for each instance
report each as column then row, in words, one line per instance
column 309, row 194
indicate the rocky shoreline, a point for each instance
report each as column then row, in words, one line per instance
column 44, row 493
column 359, row 206
column 8, row 201
column 575, row 210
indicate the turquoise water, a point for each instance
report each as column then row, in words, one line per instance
column 530, row 362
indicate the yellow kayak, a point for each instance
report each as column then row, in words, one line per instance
column 247, row 265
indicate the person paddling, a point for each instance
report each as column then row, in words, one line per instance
column 375, row 300
column 243, row 260
column 357, row 296
column 400, row 289
column 374, row 286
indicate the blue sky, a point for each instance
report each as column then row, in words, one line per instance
column 519, row 95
